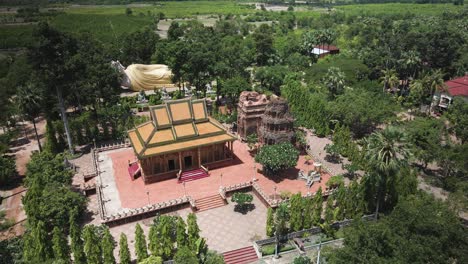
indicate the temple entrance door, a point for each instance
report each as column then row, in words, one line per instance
column 171, row 165
column 188, row 162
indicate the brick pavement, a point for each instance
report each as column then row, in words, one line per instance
column 121, row 192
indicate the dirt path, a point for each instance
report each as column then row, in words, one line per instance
column 22, row 150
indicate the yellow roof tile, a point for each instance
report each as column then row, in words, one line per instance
column 199, row 110
column 184, row 130
column 135, row 141
column 162, row 117
column 145, row 130
column 161, row 136
column 180, row 111
column 207, row 128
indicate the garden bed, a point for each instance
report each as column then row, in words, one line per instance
column 270, row 248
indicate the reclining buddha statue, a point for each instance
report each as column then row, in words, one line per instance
column 137, row 77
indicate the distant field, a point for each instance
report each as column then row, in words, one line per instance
column 109, row 22
column 171, row 9
column 15, row 36
column 398, row 8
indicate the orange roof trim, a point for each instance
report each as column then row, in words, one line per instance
column 176, row 126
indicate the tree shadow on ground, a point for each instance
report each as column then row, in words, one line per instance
column 333, row 159
column 244, row 209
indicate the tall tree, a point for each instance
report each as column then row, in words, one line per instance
column 318, row 206
column 92, row 247
column 386, row 152
column 193, row 231
column 29, row 99
column 270, row 224
column 52, row 58
column 181, row 235
column 124, row 252
column 60, row 245
column 263, row 44
column 389, row 79
column 140, row 244
column 108, row 245
column 79, row 256
column 296, row 209
column 335, row 81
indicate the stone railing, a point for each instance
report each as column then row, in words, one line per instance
column 271, row 202
column 116, row 145
column 135, row 213
column 231, row 188
column 100, row 201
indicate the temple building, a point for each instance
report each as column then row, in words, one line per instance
column 250, row 109
column 180, row 137
column 277, row 123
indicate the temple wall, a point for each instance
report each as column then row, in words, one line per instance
column 166, row 166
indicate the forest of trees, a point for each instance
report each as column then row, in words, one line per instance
column 350, row 97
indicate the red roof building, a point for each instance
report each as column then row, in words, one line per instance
column 458, row 87
column 455, row 87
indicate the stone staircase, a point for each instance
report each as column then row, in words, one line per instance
column 209, row 202
column 240, row 256
column 192, row 175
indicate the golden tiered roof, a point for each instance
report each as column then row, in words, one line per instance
column 176, row 126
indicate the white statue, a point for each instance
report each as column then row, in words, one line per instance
column 139, row 77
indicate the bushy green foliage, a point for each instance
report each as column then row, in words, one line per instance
column 309, row 109
column 277, row 157
column 242, row 199
column 302, row 260
column 406, row 230
column 60, row 245
column 7, row 168
column 140, row 244
column 270, row 224
column 124, row 252
column 458, row 116
column 76, row 243
column 152, row 260
column 185, row 255
column 296, row 212
column 92, row 245
column 193, row 231
column 108, row 245
column 11, row 250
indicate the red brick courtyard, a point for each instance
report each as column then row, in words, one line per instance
column 133, row 194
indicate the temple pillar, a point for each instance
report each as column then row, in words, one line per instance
column 199, row 157
column 180, row 160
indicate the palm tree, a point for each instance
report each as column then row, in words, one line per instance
column 386, row 152
column 335, row 81
column 435, row 82
column 411, row 63
column 29, row 99
column 389, row 79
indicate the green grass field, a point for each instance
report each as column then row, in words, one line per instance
column 109, row 22
column 171, row 9
column 398, row 8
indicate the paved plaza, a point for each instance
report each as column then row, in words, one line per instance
column 222, row 227
column 120, row 192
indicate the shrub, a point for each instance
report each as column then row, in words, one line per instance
column 277, row 157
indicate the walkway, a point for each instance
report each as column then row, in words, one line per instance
column 317, row 149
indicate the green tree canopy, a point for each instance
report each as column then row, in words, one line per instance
column 124, row 252
column 419, row 230
column 277, row 157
